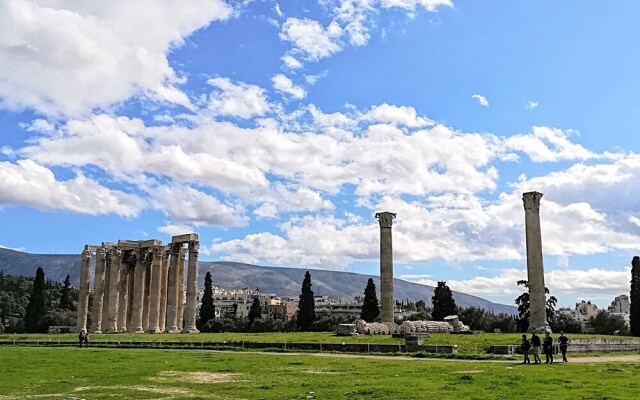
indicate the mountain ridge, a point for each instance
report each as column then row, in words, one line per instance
column 281, row 281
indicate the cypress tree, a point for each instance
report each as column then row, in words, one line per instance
column 37, row 307
column 634, row 308
column 443, row 303
column 207, row 309
column 306, row 305
column 255, row 311
column 370, row 309
column 66, row 302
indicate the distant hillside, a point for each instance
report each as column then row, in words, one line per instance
column 281, row 281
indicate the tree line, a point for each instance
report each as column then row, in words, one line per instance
column 31, row 305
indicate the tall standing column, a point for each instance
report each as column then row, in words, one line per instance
column 154, row 295
column 114, row 291
column 386, row 265
column 163, row 290
column 131, row 284
column 98, row 291
column 148, row 260
column 535, row 268
column 106, row 288
column 180, row 281
column 83, row 296
column 192, row 289
column 172, row 290
column 138, row 292
column 123, row 295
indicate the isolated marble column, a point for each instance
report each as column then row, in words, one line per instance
column 162, row 317
column 98, row 291
column 172, row 290
column 148, row 260
column 114, row 291
column 192, row 289
column 83, row 295
column 386, row 266
column 154, row 290
column 138, row 293
column 123, row 295
column 535, row 268
column 180, row 315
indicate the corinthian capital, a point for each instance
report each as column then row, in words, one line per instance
column 194, row 246
column 532, row 200
column 385, row 219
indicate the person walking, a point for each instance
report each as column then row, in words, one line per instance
column 81, row 338
column 547, row 347
column 535, row 346
column 525, row 346
column 564, row 344
column 86, row 339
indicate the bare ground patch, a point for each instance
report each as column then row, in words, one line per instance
column 197, row 377
column 172, row 391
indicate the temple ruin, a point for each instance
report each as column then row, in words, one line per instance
column 139, row 286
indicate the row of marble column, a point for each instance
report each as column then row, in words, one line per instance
column 140, row 290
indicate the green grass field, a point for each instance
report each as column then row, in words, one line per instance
column 59, row 373
column 467, row 344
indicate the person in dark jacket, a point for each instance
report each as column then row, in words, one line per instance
column 525, row 346
column 81, row 338
column 564, row 344
column 547, row 347
column 535, row 347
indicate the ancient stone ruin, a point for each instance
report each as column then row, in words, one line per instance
column 450, row 324
column 139, row 286
column 386, row 265
column 535, row 267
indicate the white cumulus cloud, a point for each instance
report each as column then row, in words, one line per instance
column 67, row 58
column 285, row 85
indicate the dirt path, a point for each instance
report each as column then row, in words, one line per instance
column 627, row 358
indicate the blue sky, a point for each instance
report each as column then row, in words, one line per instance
column 276, row 130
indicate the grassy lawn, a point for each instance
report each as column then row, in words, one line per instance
column 59, row 373
column 467, row 344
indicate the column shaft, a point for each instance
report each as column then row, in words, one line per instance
column 98, row 291
column 535, row 268
column 131, row 284
column 192, row 289
column 154, row 294
column 386, row 266
column 147, row 290
column 105, row 297
column 172, row 291
column 163, row 290
column 123, row 300
column 138, row 292
column 114, row 291
column 83, row 296
column 180, row 315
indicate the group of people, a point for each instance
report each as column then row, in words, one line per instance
column 533, row 347
column 83, row 338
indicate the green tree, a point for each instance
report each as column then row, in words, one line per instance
column 524, row 307
column 443, row 302
column 306, row 305
column 37, row 307
column 207, row 309
column 634, row 307
column 565, row 323
column 606, row 323
column 255, row 312
column 66, row 301
column 370, row 309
